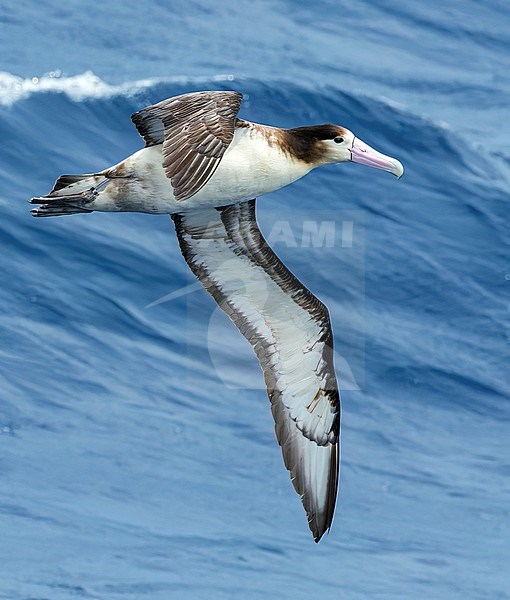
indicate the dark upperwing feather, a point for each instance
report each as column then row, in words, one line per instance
column 195, row 130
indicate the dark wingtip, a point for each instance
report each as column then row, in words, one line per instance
column 318, row 534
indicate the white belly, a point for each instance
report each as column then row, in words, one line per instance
column 249, row 168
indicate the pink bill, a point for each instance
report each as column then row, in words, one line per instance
column 363, row 154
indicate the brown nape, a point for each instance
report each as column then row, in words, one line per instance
column 240, row 123
column 304, row 142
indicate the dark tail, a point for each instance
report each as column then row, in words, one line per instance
column 71, row 195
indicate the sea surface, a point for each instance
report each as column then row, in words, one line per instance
column 137, row 453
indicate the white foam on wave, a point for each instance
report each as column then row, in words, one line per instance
column 81, row 87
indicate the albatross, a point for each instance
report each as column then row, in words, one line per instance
column 205, row 167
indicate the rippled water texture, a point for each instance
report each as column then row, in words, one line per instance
column 138, row 458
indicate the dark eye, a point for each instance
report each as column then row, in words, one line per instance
column 338, row 139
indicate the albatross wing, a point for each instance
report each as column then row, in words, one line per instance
column 195, row 130
column 290, row 331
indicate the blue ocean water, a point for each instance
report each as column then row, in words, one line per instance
column 128, row 467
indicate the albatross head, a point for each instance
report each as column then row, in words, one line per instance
column 345, row 146
column 327, row 144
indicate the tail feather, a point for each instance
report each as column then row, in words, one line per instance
column 57, row 210
column 67, row 180
column 71, row 194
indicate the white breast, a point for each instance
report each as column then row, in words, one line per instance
column 253, row 165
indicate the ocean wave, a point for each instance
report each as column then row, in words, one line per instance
column 89, row 86
column 84, row 86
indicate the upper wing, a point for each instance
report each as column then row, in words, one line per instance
column 195, row 130
column 290, row 331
